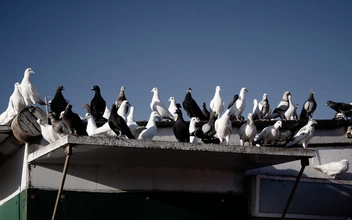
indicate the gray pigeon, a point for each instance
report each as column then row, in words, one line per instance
column 73, row 122
column 121, row 98
column 281, row 108
column 264, row 107
column 309, row 106
column 340, row 107
column 333, row 168
column 304, row 135
column 97, row 104
column 268, row 135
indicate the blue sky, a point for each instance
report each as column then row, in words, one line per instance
column 266, row 46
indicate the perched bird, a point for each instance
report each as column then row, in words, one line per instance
column 191, row 107
column 104, row 130
column 151, row 128
column 73, row 122
column 309, row 106
column 58, row 103
column 157, row 105
column 195, row 133
column 122, row 110
column 290, row 113
column 235, row 97
column 97, row 104
column 304, row 135
column 172, row 107
column 181, row 128
column 121, row 98
column 340, row 107
column 28, row 90
column 247, row 131
column 268, row 134
column 135, row 128
column 256, row 114
column 58, row 125
column 333, row 169
column 16, row 104
column 240, row 105
column 264, row 107
column 282, row 107
column 223, row 127
column 118, row 124
column 286, row 135
column 217, row 104
column 47, row 131
column 205, row 111
column 91, row 126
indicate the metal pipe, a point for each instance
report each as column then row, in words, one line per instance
column 68, row 153
column 304, row 163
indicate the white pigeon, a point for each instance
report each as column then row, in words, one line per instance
column 47, row 131
column 91, row 126
column 123, row 109
column 217, row 104
column 28, row 90
column 16, row 104
column 192, row 128
column 304, row 135
column 104, row 130
column 107, row 113
column 289, row 113
column 256, row 114
column 268, row 134
column 333, row 168
column 247, row 131
column 264, row 107
column 151, row 128
column 172, row 107
column 239, row 106
column 223, row 127
column 135, row 128
column 157, row 105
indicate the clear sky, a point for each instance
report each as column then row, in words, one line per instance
column 266, row 46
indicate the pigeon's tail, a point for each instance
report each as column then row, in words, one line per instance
column 317, row 167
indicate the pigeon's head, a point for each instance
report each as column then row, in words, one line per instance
column 189, row 90
column 265, row 96
column 40, row 121
column 122, row 89
column 154, row 115
column 312, row 91
column 69, row 107
column 285, row 96
column 113, row 108
column 178, row 105
column 154, row 90
column 250, row 116
column 178, row 111
column 96, row 88
column 62, row 114
column 312, row 122
column 171, row 99
column 278, row 124
column 88, row 116
column 125, row 102
column 60, row 88
column 255, row 101
column 28, row 71
column 345, row 162
column 217, row 88
column 195, row 119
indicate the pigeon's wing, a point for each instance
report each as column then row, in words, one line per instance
column 34, row 94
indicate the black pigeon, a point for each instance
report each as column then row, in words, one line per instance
column 57, row 124
column 73, row 122
column 121, row 98
column 181, row 128
column 208, row 130
column 58, row 103
column 97, row 104
column 205, row 111
column 191, row 106
column 118, row 124
column 309, row 106
column 340, row 107
column 286, row 136
column 235, row 97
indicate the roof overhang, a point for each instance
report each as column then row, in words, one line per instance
column 112, row 151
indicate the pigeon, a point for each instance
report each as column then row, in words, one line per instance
column 73, row 122
column 48, row 132
column 208, row 129
column 181, row 128
column 28, row 90
column 240, row 104
column 286, row 135
column 151, row 128
column 195, row 133
column 247, row 131
column 309, row 106
column 107, row 113
column 97, row 104
column 104, row 130
column 282, row 107
column 217, row 104
column 235, row 97
column 205, row 111
column 340, row 107
column 223, row 127
column 16, row 104
column 333, row 169
column 135, row 128
column 290, row 113
column 172, row 107
column 264, row 107
column 304, row 135
column 121, row 98
column 58, row 103
column 191, row 107
column 122, row 110
column 256, row 114
column 268, row 134
column 157, row 105
column 58, row 125
column 91, row 126
column 118, row 124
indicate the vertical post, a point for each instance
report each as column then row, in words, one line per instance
column 68, row 153
column 304, row 163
